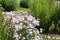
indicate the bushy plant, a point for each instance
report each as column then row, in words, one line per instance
column 24, row 3
column 10, row 5
column 20, row 26
column 42, row 9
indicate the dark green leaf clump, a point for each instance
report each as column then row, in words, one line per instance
column 10, row 5
column 24, row 3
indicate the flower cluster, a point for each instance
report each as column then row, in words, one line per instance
column 24, row 25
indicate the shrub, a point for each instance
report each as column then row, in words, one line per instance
column 10, row 5
column 20, row 26
column 24, row 3
column 42, row 9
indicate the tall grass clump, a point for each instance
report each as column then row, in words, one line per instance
column 42, row 9
column 10, row 5
column 4, row 30
column 55, row 26
column 1, row 24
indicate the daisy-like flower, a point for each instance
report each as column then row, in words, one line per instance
column 24, row 25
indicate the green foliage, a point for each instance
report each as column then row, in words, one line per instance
column 6, row 31
column 1, row 22
column 10, row 5
column 42, row 9
column 24, row 3
column 56, row 21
